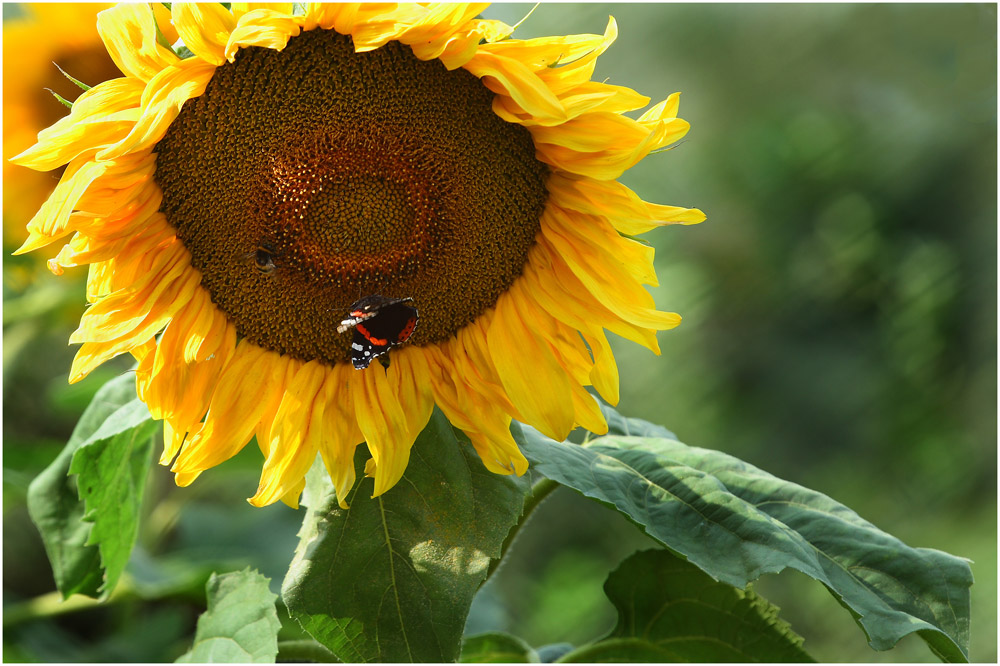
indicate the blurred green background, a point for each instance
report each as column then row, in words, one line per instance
column 839, row 329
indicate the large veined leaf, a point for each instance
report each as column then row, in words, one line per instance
column 737, row 522
column 392, row 578
column 670, row 611
column 111, row 468
column 85, row 504
column 240, row 625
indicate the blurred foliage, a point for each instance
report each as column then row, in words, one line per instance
column 839, row 331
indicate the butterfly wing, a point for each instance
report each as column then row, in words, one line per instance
column 379, row 328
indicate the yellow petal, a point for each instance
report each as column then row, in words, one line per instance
column 129, row 33
column 173, row 439
column 295, row 435
column 164, row 23
column 344, row 17
column 603, row 276
column 264, row 430
column 103, row 114
column 604, row 374
column 118, row 313
column 261, row 27
column 441, row 21
column 204, row 28
column 580, row 70
column 383, row 424
column 405, row 376
column 534, row 380
column 544, row 52
column 587, row 411
column 240, row 8
column 592, row 132
column 236, row 407
column 372, row 25
column 85, row 249
column 52, row 218
column 161, row 102
column 509, row 77
column 570, row 301
column 459, row 49
column 487, row 425
column 343, row 434
column 184, row 479
column 291, row 498
column 667, row 109
column 180, row 390
column 627, row 212
column 92, row 354
column 588, row 97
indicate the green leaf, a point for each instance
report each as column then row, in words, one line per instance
column 497, row 648
column 624, row 425
column 670, row 611
column 111, row 468
column 240, row 625
column 737, row 522
column 392, row 578
column 54, row 503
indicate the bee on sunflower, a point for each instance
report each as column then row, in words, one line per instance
column 235, row 196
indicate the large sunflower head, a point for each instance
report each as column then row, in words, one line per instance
column 290, row 195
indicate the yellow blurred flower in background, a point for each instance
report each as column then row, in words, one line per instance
column 45, row 33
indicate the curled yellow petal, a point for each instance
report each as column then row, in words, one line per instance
column 204, row 28
column 261, row 27
column 161, row 102
column 532, row 377
column 235, row 408
column 294, row 436
column 129, row 33
column 383, row 423
column 513, row 79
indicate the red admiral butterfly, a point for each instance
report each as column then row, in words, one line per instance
column 379, row 324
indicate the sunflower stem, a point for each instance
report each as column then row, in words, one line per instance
column 539, row 492
column 305, row 650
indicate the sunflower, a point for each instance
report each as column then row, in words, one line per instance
column 42, row 35
column 236, row 195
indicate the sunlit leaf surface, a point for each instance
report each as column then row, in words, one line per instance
column 240, row 625
column 392, row 578
column 737, row 522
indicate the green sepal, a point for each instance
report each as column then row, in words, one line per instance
column 78, row 84
column 62, row 100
